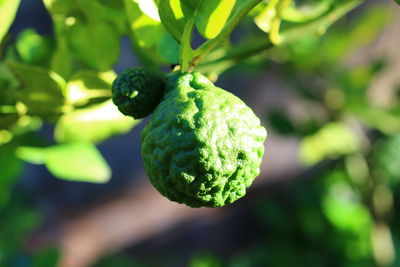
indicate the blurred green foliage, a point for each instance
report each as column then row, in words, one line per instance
column 18, row 220
column 341, row 215
column 65, row 161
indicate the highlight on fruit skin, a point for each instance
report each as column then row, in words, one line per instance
column 203, row 146
column 138, row 91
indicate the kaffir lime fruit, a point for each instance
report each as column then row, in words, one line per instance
column 138, row 91
column 203, row 146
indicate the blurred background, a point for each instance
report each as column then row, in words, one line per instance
column 328, row 193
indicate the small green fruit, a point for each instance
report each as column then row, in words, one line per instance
column 203, row 146
column 138, row 91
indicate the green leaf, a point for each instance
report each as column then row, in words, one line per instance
column 146, row 30
column 93, row 124
column 75, row 161
column 387, row 154
column 11, row 169
column 192, row 4
column 8, row 10
column 332, row 141
column 168, row 49
column 7, row 85
column 149, row 8
column 240, row 10
column 97, row 44
column 42, row 91
column 108, row 11
column 174, row 15
column 211, row 17
column 342, row 206
column 32, row 154
column 34, row 48
column 78, row 162
column 97, row 11
column 186, row 51
column 27, row 124
column 61, row 62
column 60, row 7
column 88, row 86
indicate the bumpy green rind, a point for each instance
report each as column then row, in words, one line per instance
column 138, row 91
column 203, row 145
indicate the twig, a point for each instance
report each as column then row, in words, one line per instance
column 205, row 48
column 319, row 25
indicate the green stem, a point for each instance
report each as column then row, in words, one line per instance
column 205, row 48
column 293, row 14
column 320, row 24
column 242, row 52
column 289, row 36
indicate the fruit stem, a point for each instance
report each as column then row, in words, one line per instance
column 209, row 45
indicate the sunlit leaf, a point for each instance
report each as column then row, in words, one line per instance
column 149, row 8
column 332, row 141
column 211, row 17
column 86, row 31
column 42, row 91
column 343, row 207
column 174, row 15
column 8, row 10
column 97, row 44
column 89, row 86
column 32, row 155
column 146, row 31
column 75, row 161
column 93, row 124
